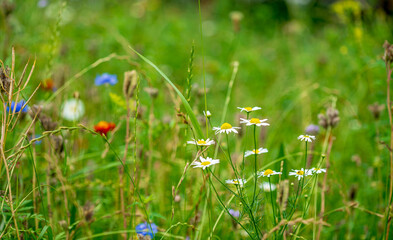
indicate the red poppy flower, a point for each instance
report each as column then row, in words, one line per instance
column 48, row 84
column 104, row 127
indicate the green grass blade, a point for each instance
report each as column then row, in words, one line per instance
column 186, row 105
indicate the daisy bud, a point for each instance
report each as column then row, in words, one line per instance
column 376, row 109
column 153, row 92
column 236, row 17
column 130, row 82
column 76, row 95
column 5, row 81
column 388, row 55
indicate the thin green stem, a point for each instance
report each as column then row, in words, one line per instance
column 271, row 198
column 255, row 167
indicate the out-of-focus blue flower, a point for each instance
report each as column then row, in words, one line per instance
column 105, row 78
column 312, row 129
column 18, row 107
column 234, row 213
column 36, row 142
column 144, row 229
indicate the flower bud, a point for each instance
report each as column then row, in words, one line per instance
column 130, row 82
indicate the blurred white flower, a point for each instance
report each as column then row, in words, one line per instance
column 265, row 186
column 317, row 170
column 73, row 109
column 201, row 142
column 207, row 114
column 255, row 151
column 307, row 138
column 238, row 181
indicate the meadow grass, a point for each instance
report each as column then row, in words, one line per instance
column 132, row 154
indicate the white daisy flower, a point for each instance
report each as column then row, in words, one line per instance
column 254, row 121
column 266, row 186
column 205, row 162
column 308, row 138
column 238, row 181
column 249, row 109
column 201, row 142
column 73, row 109
column 300, row 173
column 207, row 114
column 317, row 170
column 268, row 173
column 255, row 151
column 226, row 127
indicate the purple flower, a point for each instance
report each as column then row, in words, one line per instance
column 42, row 3
column 18, row 107
column 105, row 78
column 146, row 229
column 312, row 129
column 234, row 213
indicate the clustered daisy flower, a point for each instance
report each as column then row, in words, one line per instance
column 268, row 173
column 205, row 162
column 307, row 138
column 238, row 181
column 226, row 128
column 254, row 121
column 255, row 151
column 201, row 142
column 249, row 109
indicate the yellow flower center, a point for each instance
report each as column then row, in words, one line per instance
column 226, row 126
column 306, row 136
column 200, row 142
column 205, row 163
column 300, row 172
column 317, row 169
column 255, row 151
column 248, row 109
column 267, row 172
column 235, row 182
column 255, row 120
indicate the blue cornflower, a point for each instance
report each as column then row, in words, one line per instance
column 105, row 78
column 18, row 107
column 144, row 229
column 234, row 213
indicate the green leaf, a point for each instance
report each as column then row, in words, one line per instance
column 186, row 105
